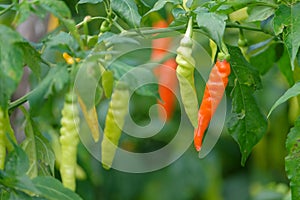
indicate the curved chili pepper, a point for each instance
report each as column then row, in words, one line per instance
column 213, row 94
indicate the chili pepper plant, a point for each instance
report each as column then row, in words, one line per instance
column 141, row 99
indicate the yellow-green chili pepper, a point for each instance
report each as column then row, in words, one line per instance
column 118, row 108
column 185, row 75
column 69, row 140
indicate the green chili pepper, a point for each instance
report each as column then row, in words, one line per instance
column 118, row 108
column 107, row 82
column 69, row 140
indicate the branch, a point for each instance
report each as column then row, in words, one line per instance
column 7, row 9
column 235, row 25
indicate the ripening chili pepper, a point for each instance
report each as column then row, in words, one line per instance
column 167, row 84
column 185, row 75
column 160, row 46
column 69, row 140
column 213, row 94
column 2, row 140
column 165, row 73
column 115, row 118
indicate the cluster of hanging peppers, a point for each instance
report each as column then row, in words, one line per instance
column 169, row 74
column 214, row 89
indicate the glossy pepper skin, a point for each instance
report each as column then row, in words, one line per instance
column 185, row 75
column 165, row 73
column 69, row 140
column 213, row 94
column 115, row 118
column 2, row 140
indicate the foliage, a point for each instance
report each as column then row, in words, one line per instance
column 103, row 37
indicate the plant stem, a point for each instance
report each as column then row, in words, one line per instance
column 184, row 5
column 235, row 25
column 153, row 31
column 7, row 9
column 118, row 26
column 107, row 8
column 177, row 28
column 256, row 3
column 89, row 20
column 19, row 101
column 189, row 30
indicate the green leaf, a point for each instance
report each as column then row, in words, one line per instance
column 287, row 21
column 246, row 123
column 259, row 13
column 241, row 3
column 31, row 57
column 23, row 12
column 292, row 160
column 24, row 184
column 181, row 20
column 161, row 3
column 52, row 189
column 285, row 67
column 17, row 162
column 291, row 92
column 62, row 42
column 87, row 1
column 55, row 80
column 71, row 26
column 137, row 78
column 282, row 18
column 14, row 175
column 147, row 3
column 266, row 25
column 11, row 63
column 38, row 149
column 86, row 84
column 20, row 183
column 17, row 195
column 259, row 47
column 56, row 7
column 266, row 59
column 128, row 11
column 193, row 4
column 212, row 23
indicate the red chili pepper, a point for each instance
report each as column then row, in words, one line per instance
column 160, row 45
column 167, row 81
column 213, row 94
column 166, row 73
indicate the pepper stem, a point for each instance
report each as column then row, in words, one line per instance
column 189, row 30
column 224, row 54
column 184, row 5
